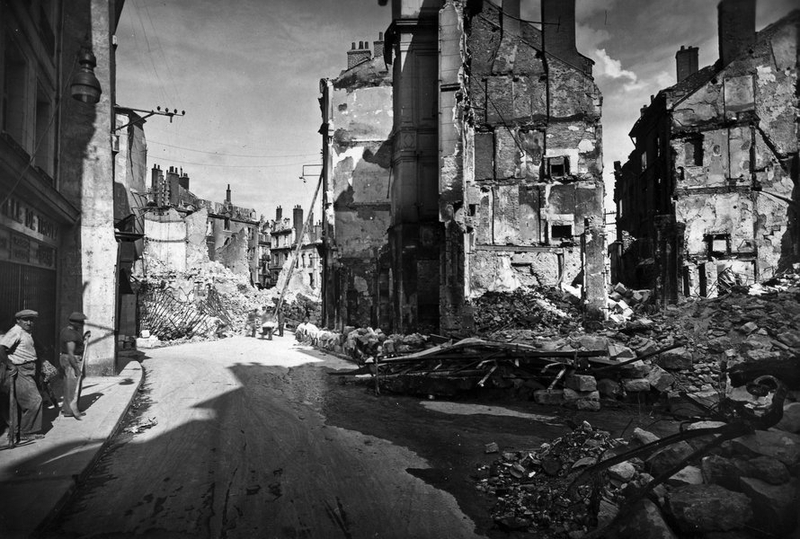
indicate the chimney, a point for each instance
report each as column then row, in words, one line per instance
column 228, row 194
column 278, row 214
column 558, row 31
column 183, row 181
column 686, row 62
column 173, row 184
column 357, row 55
column 377, row 50
column 736, row 24
column 297, row 218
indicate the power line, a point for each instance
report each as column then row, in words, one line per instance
column 224, row 165
column 219, row 154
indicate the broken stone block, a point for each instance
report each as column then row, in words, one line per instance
column 636, row 385
column 675, row 359
column 660, row 379
column 790, row 422
column 571, row 395
column 775, row 506
column 593, row 342
column 637, row 369
column 491, row 448
column 690, row 475
column 682, row 407
column 769, row 470
column 761, row 355
column 647, row 347
column 619, row 352
column 790, row 338
column 544, row 396
column 645, row 522
column 705, row 508
column 643, row 437
column 668, row 457
column 608, row 388
column 781, row 445
column 624, row 471
column 587, row 405
column 718, row 470
column 621, row 289
column 748, row 328
column 581, row 382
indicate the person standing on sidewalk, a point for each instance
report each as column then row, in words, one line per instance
column 71, row 345
column 18, row 353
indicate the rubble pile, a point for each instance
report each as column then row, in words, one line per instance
column 531, row 486
column 745, row 488
column 535, row 310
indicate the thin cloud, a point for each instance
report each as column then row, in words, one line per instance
column 612, row 69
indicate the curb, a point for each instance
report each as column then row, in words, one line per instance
column 132, row 370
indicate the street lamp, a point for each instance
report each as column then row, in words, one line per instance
column 85, row 86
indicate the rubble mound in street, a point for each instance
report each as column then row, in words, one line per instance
column 208, row 301
column 747, row 487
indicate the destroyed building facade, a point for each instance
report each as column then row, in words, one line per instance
column 708, row 198
column 496, row 160
column 183, row 231
column 295, row 251
column 357, row 123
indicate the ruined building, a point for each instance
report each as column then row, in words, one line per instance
column 182, row 230
column 285, row 235
column 496, row 159
column 357, row 124
column 708, row 198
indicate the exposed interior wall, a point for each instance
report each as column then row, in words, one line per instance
column 530, row 162
column 361, row 118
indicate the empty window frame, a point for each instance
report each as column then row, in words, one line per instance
column 693, row 152
column 718, row 245
column 557, row 167
column 560, row 233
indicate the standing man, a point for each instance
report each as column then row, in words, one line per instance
column 71, row 345
column 18, row 353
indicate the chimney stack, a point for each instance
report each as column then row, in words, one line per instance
column 377, row 51
column 278, row 214
column 558, row 31
column 297, row 219
column 736, row 24
column 357, row 55
column 173, row 184
column 686, row 62
column 183, row 181
column 228, row 194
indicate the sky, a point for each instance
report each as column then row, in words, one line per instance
column 247, row 73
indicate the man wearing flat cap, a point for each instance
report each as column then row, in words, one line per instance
column 71, row 345
column 18, row 353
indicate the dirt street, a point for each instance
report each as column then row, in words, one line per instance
column 244, row 438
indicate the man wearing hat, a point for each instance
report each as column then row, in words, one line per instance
column 18, row 353
column 71, row 346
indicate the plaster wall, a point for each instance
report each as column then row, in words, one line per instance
column 165, row 243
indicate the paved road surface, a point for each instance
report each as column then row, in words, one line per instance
column 241, row 449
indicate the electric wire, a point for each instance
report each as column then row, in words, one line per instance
column 219, row 154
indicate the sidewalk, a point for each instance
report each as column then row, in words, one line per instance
column 38, row 478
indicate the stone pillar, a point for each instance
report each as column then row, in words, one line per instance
column 88, row 277
column 593, row 244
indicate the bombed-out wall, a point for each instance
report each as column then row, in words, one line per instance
column 357, row 116
column 528, row 185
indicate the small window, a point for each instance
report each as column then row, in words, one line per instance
column 718, row 245
column 227, row 224
column 557, row 167
column 693, row 152
column 560, row 233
